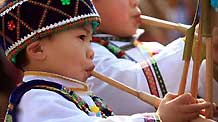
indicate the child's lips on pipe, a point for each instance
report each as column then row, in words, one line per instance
column 89, row 70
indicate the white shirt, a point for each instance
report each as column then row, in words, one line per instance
column 170, row 64
column 38, row 105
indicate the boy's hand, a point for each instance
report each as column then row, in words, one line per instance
column 180, row 109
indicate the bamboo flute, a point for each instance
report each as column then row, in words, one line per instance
column 207, row 37
column 150, row 99
column 184, row 78
column 147, row 20
column 190, row 35
column 196, row 65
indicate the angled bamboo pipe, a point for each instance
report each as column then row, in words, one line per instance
column 197, row 63
column 146, row 20
column 190, row 35
column 184, row 78
column 150, row 99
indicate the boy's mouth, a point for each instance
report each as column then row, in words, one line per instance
column 137, row 19
column 89, row 70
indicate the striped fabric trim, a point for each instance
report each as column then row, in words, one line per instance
column 159, row 77
column 145, row 50
column 150, row 78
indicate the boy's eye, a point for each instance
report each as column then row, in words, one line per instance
column 82, row 37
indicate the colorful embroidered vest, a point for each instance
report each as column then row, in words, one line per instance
column 17, row 94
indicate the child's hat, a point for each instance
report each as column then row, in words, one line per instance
column 25, row 21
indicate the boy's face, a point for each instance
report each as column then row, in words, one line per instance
column 69, row 53
column 119, row 17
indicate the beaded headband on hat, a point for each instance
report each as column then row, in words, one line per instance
column 25, row 21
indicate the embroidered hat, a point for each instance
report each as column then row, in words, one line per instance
column 25, row 21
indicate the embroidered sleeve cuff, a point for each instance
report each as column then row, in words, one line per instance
column 152, row 117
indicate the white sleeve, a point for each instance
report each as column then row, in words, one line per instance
column 46, row 106
column 170, row 64
column 202, row 82
column 125, row 71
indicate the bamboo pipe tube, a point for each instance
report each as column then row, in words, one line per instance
column 187, row 58
column 209, row 75
column 146, row 20
column 190, row 35
column 184, row 78
column 150, row 99
column 197, row 63
column 206, row 17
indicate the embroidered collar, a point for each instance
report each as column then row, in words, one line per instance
column 72, row 84
column 109, row 37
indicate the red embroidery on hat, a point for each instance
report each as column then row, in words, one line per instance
column 11, row 25
column 28, row 41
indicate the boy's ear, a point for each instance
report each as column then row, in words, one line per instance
column 35, row 51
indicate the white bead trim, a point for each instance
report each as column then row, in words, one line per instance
column 51, row 26
column 12, row 7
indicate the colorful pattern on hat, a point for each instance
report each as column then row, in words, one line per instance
column 25, row 21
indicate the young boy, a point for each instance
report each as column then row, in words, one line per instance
column 157, row 74
column 52, row 47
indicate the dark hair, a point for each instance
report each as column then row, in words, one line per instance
column 6, row 81
column 21, row 59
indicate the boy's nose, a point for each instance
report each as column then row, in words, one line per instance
column 134, row 3
column 90, row 53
